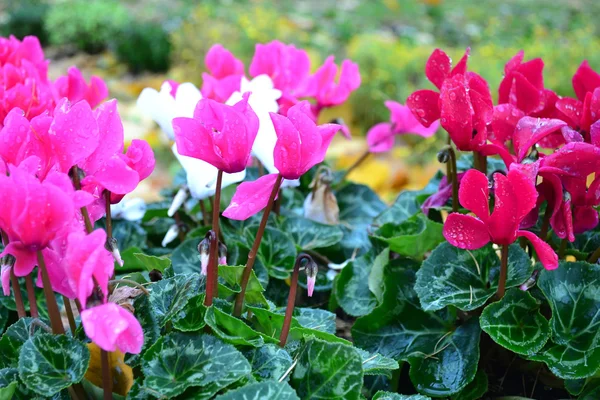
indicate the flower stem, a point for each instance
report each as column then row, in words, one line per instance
column 562, row 249
column 180, row 231
column 503, row 272
column 53, row 311
column 289, row 311
column 33, row 309
column 595, row 256
column 214, row 250
column 86, row 217
column 106, row 378
column 18, row 297
column 355, row 165
column 70, row 317
column 203, row 211
column 545, row 223
column 479, row 162
column 451, row 173
column 210, row 289
column 108, row 214
column 239, row 300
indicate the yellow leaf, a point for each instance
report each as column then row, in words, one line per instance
column 121, row 373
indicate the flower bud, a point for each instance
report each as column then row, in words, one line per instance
column 178, row 201
column 529, row 283
column 311, row 270
column 204, row 250
column 443, row 155
column 155, row 275
column 6, row 264
column 170, row 235
column 222, row 254
column 111, row 245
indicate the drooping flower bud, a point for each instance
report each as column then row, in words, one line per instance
column 311, row 270
column 170, row 235
column 111, row 245
column 6, row 264
column 443, row 156
column 178, row 201
column 204, row 250
column 222, row 254
column 529, row 283
column 321, row 205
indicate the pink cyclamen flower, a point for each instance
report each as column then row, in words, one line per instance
column 515, row 196
column 324, row 88
column 225, row 75
column 301, row 144
column 219, row 134
column 380, row 137
column 523, row 84
column 585, row 80
column 73, row 87
column 464, row 102
column 441, row 197
column 112, row 327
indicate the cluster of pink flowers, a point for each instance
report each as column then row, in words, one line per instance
column 550, row 145
column 50, row 132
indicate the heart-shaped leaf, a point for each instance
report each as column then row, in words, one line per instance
column 351, row 287
column 179, row 361
column 516, row 323
column 185, row 258
column 261, row 390
column 153, row 262
column 9, row 380
column 168, row 297
column 310, row 235
column 474, row 390
column 49, row 363
column 315, row 318
column 376, row 364
column 467, row 279
column 269, row 362
column 276, row 251
column 232, row 276
column 403, row 208
column 191, row 318
column 12, row 340
column 413, row 237
column 129, row 234
column 231, row 329
column 328, row 370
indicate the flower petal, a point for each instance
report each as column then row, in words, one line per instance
column 473, row 194
column 465, row 232
column 545, row 253
column 250, row 198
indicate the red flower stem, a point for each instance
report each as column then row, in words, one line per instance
column 15, row 283
column 545, row 223
column 70, row 317
column 210, row 288
column 289, row 311
column 106, row 378
column 18, row 297
column 277, row 204
column 33, row 308
column 86, row 217
column 479, row 162
column 453, row 177
column 356, row 164
column 503, row 272
column 214, row 255
column 239, row 300
column 203, row 211
column 53, row 311
column 180, row 232
column 595, row 256
column 108, row 214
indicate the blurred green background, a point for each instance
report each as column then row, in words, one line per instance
column 135, row 41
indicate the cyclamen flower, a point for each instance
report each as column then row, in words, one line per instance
column 464, row 103
column 218, row 134
column 380, row 137
column 74, row 88
column 515, row 196
column 523, row 84
column 441, row 197
column 112, row 327
column 225, row 75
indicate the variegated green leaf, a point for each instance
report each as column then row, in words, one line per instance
column 261, row 390
column 269, row 361
column 168, row 297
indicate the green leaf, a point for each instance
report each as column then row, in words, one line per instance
column 7, row 392
column 3, row 318
column 153, row 262
column 232, row 275
column 129, row 234
column 168, row 297
column 377, row 271
column 454, row 365
column 147, row 319
column 130, row 262
column 310, row 235
column 573, row 293
column 351, row 287
column 231, row 329
column 269, row 362
column 49, row 363
column 185, row 258
column 412, row 238
column 12, row 340
column 376, row 364
column 403, row 208
column 381, row 395
column 191, row 318
column 9, row 380
column 328, row 371
column 179, row 361
column 276, row 251
column 467, row 279
column 516, row 323
column 358, row 204
column 260, row 391
column 474, row 390
column 315, row 318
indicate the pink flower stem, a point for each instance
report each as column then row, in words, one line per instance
column 108, row 215
column 53, row 312
column 210, row 287
column 15, row 284
column 214, row 254
column 503, row 272
column 289, row 311
column 33, row 308
column 479, row 162
column 106, row 378
column 239, row 300
column 77, row 184
column 451, row 173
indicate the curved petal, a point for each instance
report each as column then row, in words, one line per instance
column 465, row 232
column 438, row 67
column 585, row 80
column 457, row 112
column 584, row 219
column 545, row 254
column 524, row 185
column 574, row 159
column 424, row 105
column 530, row 131
column 110, row 327
column 380, row 138
column 504, row 121
column 26, row 260
column 116, row 176
column 250, row 198
column 473, row 194
column 503, row 222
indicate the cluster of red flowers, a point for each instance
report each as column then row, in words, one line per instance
column 61, row 160
column 550, row 145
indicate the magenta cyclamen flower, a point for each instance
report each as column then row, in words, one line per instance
column 225, row 76
column 219, row 134
column 111, row 326
column 74, row 88
column 515, row 196
column 380, row 137
column 324, row 88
